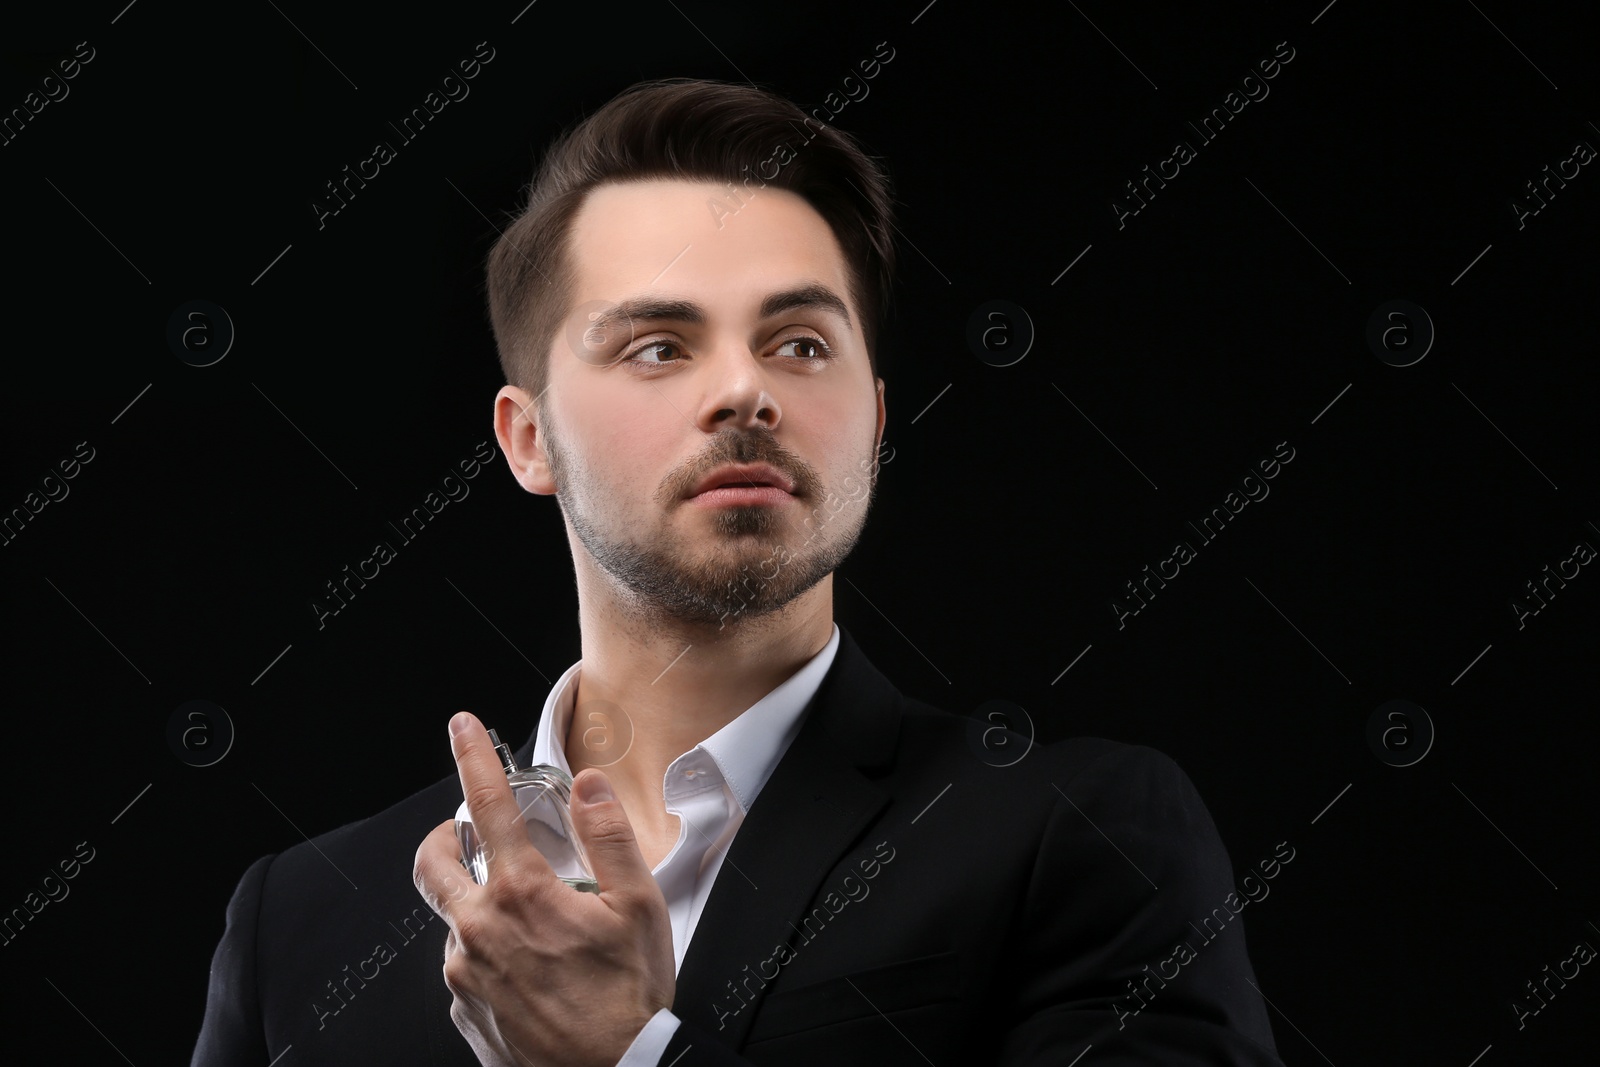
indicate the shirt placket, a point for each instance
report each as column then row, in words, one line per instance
column 694, row 792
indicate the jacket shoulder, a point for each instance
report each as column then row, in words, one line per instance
column 372, row 856
column 1007, row 738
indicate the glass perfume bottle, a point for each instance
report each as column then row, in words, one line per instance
column 544, row 795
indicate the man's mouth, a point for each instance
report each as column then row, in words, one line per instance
column 745, row 477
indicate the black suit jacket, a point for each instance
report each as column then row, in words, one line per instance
column 893, row 896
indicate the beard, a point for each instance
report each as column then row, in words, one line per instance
column 746, row 570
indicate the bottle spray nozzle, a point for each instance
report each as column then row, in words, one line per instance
column 503, row 750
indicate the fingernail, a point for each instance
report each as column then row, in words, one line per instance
column 459, row 722
column 594, row 789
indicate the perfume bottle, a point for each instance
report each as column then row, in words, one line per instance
column 544, row 795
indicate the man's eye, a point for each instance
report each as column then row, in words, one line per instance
column 651, row 348
column 806, row 349
column 809, row 348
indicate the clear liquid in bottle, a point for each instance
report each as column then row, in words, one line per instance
column 544, row 796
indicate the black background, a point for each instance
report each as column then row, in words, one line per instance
column 1222, row 319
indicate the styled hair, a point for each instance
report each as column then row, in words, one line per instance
column 687, row 129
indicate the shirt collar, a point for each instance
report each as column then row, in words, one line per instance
column 746, row 750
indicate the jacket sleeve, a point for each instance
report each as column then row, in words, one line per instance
column 1130, row 938
column 232, row 1034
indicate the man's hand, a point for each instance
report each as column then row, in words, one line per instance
column 544, row 974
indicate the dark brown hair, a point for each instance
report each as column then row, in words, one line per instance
column 687, row 129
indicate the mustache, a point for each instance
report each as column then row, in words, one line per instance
column 735, row 446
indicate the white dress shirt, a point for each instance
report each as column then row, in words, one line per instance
column 710, row 788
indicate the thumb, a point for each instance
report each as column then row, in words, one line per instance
column 607, row 835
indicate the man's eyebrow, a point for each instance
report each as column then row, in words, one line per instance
column 650, row 309
column 813, row 296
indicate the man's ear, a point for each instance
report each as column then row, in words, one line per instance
column 877, row 445
column 521, row 441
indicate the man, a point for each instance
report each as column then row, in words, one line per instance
column 794, row 860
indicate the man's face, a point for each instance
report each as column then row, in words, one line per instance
column 643, row 406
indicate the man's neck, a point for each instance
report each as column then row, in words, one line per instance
column 660, row 686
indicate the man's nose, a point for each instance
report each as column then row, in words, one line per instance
column 739, row 395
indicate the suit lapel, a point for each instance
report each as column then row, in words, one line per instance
column 819, row 800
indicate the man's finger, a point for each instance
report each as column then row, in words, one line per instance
column 483, row 784
column 607, row 835
column 437, row 872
